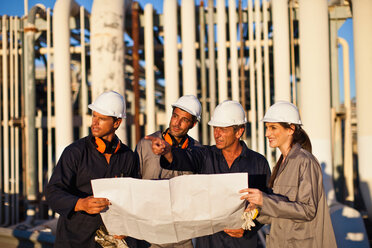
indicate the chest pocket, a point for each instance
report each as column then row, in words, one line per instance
column 288, row 191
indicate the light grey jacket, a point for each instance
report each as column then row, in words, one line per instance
column 297, row 209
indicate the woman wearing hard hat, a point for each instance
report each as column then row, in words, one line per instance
column 297, row 208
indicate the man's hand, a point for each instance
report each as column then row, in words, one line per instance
column 161, row 147
column 235, row 233
column 91, row 205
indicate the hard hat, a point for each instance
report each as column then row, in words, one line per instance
column 190, row 104
column 283, row 111
column 109, row 103
column 228, row 113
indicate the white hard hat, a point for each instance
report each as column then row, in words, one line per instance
column 109, row 103
column 190, row 104
column 228, row 113
column 283, row 111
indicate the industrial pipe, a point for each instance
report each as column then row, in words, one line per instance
column 282, row 87
column 260, row 96
column 362, row 20
column 348, row 143
column 211, row 63
column 63, row 9
column 252, row 80
column 221, row 52
column 149, row 62
column 189, row 81
column 170, row 55
column 233, row 51
column 30, row 112
column 107, row 50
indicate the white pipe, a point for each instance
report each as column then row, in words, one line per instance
column 282, row 87
column 40, row 150
column 212, row 64
column 234, row 68
column 49, row 96
column 107, row 51
column 63, row 99
column 5, row 87
column 260, row 104
column 84, row 87
column 16, row 114
column 189, row 53
column 315, row 81
column 170, row 55
column 221, row 51
column 188, row 47
column 12, row 128
column 362, row 22
column 348, row 143
column 150, row 77
column 267, row 72
column 252, row 84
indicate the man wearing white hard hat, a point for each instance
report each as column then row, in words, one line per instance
column 185, row 115
column 229, row 155
column 99, row 155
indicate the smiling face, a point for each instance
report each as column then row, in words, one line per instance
column 180, row 123
column 278, row 135
column 104, row 126
column 226, row 137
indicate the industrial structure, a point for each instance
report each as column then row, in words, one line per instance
column 56, row 61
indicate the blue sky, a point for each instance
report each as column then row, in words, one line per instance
column 16, row 8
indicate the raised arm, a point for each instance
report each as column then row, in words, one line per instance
column 161, row 147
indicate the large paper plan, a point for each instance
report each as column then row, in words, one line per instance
column 168, row 211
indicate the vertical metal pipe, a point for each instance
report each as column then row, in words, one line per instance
column 260, row 104
column 84, row 87
column 4, row 73
column 282, row 87
column 107, row 51
column 11, row 115
column 49, row 96
column 316, row 115
column 188, row 47
column 337, row 142
column 241, row 55
column 348, row 143
column 136, row 68
column 293, row 66
column 188, row 33
column 203, row 73
column 149, row 61
column 211, row 62
column 40, row 150
column 233, row 51
column 362, row 21
column 242, row 63
column 25, row 2
column 170, row 55
column 252, row 80
column 62, row 72
column 267, row 72
column 30, row 113
column 221, row 51
column 5, row 141
column 16, row 115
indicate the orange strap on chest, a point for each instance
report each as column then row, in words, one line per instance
column 101, row 146
column 172, row 141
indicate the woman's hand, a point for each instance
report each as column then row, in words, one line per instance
column 253, row 196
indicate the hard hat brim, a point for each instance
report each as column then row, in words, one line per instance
column 175, row 105
column 103, row 112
